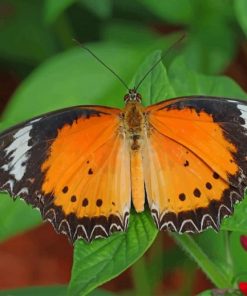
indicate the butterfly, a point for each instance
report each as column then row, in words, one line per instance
column 84, row 167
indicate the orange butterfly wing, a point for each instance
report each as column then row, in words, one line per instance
column 76, row 170
column 195, row 161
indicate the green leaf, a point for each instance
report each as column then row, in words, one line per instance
column 240, row 11
column 103, row 259
column 156, row 86
column 211, row 45
column 15, row 217
column 205, row 293
column 52, row 9
column 212, row 41
column 101, row 8
column 176, row 11
column 187, row 82
column 130, row 32
column 238, row 221
column 75, row 78
column 24, row 37
column 221, row 292
column 37, row 291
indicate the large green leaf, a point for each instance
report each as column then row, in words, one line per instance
column 75, row 78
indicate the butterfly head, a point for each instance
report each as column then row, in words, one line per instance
column 133, row 96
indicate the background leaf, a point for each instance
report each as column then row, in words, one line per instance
column 102, row 8
column 10, row 213
column 32, row 43
column 168, row 10
column 52, row 9
column 240, row 10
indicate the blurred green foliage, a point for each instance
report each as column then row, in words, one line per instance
column 36, row 41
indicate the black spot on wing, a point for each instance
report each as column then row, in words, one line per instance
column 182, row 196
column 208, row 185
column 73, row 198
column 90, row 171
column 85, row 202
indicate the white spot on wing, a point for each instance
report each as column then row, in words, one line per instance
column 18, row 150
column 35, row 120
column 243, row 109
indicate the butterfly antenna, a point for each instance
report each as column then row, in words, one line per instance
column 159, row 60
column 102, row 63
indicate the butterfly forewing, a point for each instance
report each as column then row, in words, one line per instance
column 195, row 161
column 74, row 166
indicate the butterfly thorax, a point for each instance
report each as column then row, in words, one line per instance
column 134, row 124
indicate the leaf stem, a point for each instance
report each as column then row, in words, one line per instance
column 229, row 260
column 217, row 276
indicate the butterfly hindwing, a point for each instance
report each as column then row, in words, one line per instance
column 72, row 165
column 195, row 161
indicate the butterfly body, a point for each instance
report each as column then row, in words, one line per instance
column 83, row 166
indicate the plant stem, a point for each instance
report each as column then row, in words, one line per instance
column 229, row 260
column 217, row 276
